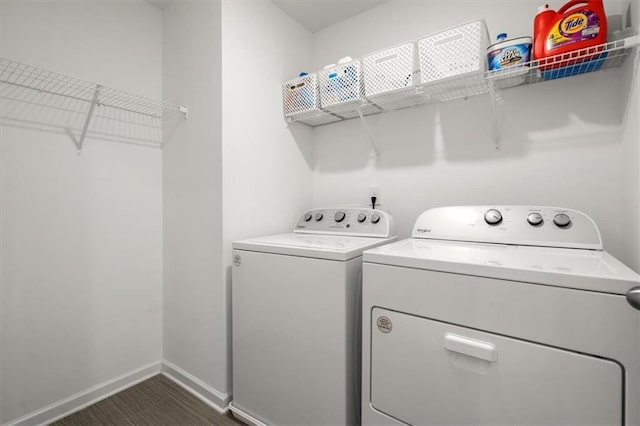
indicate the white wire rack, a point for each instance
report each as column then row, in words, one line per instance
column 314, row 117
column 36, row 98
column 351, row 109
column 582, row 61
column 596, row 58
column 405, row 97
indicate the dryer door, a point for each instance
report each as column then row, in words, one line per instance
column 430, row 372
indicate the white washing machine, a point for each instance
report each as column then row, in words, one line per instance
column 500, row 315
column 296, row 318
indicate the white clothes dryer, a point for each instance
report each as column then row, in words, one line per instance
column 500, row 315
column 296, row 318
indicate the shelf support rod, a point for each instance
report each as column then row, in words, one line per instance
column 372, row 139
column 287, row 121
column 497, row 128
column 185, row 111
column 87, row 120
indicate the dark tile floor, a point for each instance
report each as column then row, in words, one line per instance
column 156, row 401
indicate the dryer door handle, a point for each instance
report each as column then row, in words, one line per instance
column 633, row 297
column 471, row 347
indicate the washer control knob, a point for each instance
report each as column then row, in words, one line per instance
column 339, row 216
column 319, row 217
column 375, row 218
column 534, row 219
column 493, row 217
column 362, row 217
column 307, row 217
column 562, row 220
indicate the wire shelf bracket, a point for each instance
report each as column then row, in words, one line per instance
column 497, row 125
column 375, row 151
column 87, row 121
column 185, row 111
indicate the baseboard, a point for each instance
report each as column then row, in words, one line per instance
column 210, row 396
column 245, row 417
column 80, row 400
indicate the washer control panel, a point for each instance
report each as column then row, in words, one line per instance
column 518, row 225
column 346, row 221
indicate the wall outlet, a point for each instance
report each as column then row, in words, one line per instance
column 374, row 191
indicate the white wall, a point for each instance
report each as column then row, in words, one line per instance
column 81, row 246
column 266, row 171
column 631, row 166
column 194, row 308
column 562, row 140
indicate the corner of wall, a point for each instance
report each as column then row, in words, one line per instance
column 194, row 329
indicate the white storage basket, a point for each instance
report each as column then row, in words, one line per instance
column 455, row 52
column 301, row 101
column 300, row 95
column 390, row 76
column 342, row 90
column 389, row 69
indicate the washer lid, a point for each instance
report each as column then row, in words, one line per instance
column 593, row 270
column 331, row 247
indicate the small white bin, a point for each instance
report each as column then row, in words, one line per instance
column 389, row 69
column 456, row 52
column 301, row 101
column 300, row 95
column 342, row 90
column 390, row 76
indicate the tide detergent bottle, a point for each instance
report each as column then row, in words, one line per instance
column 577, row 25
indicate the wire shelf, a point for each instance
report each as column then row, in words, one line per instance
column 394, row 100
column 314, row 117
column 596, row 58
column 582, row 61
column 457, row 87
column 354, row 108
column 40, row 99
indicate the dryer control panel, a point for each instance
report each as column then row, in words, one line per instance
column 519, row 225
column 361, row 222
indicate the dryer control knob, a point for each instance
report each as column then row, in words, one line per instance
column 633, row 297
column 319, row 217
column 375, row 218
column 339, row 216
column 534, row 219
column 562, row 220
column 362, row 217
column 307, row 217
column 493, row 217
